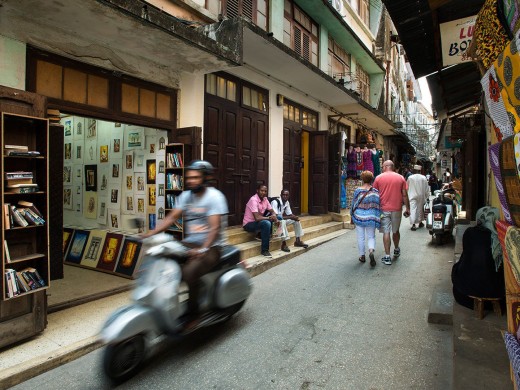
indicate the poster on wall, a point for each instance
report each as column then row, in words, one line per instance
column 129, row 257
column 90, row 205
column 129, row 161
column 116, row 171
column 114, row 218
column 67, row 152
column 139, row 163
column 78, row 202
column 93, row 248
column 77, row 173
column 129, row 182
column 68, row 124
column 140, row 183
column 67, row 174
column 90, row 152
column 79, row 126
column 91, row 128
column 128, row 203
column 103, row 179
column 67, row 198
column 134, row 137
column 90, row 177
column 116, row 141
column 151, row 144
column 151, row 171
column 103, row 154
column 152, row 195
column 140, row 204
column 77, row 155
column 162, row 143
column 102, row 210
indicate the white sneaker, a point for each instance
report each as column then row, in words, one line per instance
column 386, row 260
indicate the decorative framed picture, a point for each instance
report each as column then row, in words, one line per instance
column 90, row 177
column 67, row 127
column 91, row 128
column 129, row 257
column 67, row 154
column 67, row 237
column 162, row 143
column 79, row 125
column 93, row 248
column 139, row 183
column 110, row 251
column 115, row 170
column 129, row 182
column 114, row 218
column 152, row 196
column 129, row 160
column 102, row 210
column 140, row 205
column 103, row 153
column 151, row 171
column 67, row 174
column 128, row 203
column 134, row 137
column 67, row 198
column 139, row 165
column 90, row 205
column 77, row 246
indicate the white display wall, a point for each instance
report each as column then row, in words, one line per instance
column 112, row 174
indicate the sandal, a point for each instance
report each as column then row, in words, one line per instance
column 362, row 259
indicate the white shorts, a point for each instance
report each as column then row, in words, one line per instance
column 390, row 221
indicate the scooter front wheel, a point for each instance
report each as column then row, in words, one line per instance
column 123, row 360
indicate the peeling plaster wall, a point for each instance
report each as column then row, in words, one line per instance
column 12, row 63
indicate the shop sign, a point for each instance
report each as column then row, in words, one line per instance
column 456, row 38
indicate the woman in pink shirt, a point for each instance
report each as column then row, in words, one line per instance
column 254, row 219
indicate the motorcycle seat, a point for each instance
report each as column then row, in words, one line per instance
column 439, row 208
column 230, row 255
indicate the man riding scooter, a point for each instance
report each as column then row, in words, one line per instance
column 204, row 209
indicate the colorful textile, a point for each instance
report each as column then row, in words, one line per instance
column 513, row 250
column 351, row 163
column 502, row 227
column 516, row 144
column 367, row 161
column 510, row 179
column 513, row 351
column 507, row 69
column 487, row 216
column 365, row 210
column 376, row 163
column 490, row 37
column 495, row 168
column 359, row 163
column 495, row 104
column 508, row 14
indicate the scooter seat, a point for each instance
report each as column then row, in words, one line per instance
column 439, row 208
column 230, row 255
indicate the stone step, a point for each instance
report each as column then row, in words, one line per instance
column 237, row 235
column 251, row 248
column 258, row 264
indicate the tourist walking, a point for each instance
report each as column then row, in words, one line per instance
column 392, row 193
column 365, row 213
column 418, row 192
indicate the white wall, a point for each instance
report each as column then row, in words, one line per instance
column 12, row 63
column 191, row 100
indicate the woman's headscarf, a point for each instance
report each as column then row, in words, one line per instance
column 487, row 217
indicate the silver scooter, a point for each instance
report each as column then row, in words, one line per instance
column 157, row 311
column 440, row 217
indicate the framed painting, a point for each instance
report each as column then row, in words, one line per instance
column 129, row 257
column 77, row 246
column 102, row 210
column 67, row 237
column 90, row 177
column 67, row 198
column 110, row 251
column 90, row 205
column 151, row 171
column 103, row 153
column 93, row 248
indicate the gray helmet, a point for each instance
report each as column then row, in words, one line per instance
column 201, row 165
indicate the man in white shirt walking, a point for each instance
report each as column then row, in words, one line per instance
column 418, row 192
column 281, row 206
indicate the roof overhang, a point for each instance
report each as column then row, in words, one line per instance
column 268, row 56
column 130, row 37
column 403, row 143
column 417, row 25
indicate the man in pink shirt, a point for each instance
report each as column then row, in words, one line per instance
column 254, row 219
column 393, row 192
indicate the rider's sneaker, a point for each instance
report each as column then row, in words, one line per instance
column 386, row 260
column 397, row 252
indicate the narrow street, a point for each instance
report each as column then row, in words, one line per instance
column 320, row 320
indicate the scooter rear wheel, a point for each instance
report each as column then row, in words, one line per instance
column 123, row 360
column 438, row 239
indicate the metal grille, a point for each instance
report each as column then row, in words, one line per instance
column 297, row 40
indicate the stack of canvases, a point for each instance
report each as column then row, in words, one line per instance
column 101, row 250
column 497, row 40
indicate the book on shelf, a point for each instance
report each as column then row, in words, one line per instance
column 33, row 272
column 174, row 182
column 18, row 175
column 15, row 148
column 6, row 252
column 25, row 286
column 31, row 206
column 7, row 216
column 30, row 153
column 22, row 188
column 171, row 201
column 18, row 218
column 9, row 290
column 174, row 160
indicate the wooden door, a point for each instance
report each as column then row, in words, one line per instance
column 236, row 143
column 292, row 164
column 334, row 172
column 318, row 183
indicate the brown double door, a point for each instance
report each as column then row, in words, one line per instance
column 236, row 143
column 293, row 162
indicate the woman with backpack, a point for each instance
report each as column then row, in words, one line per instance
column 366, row 216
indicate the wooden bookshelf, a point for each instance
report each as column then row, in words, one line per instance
column 174, row 182
column 28, row 245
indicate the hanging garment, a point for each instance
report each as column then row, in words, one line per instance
column 351, row 163
column 367, row 161
column 359, row 163
column 376, row 163
column 494, row 162
column 510, row 178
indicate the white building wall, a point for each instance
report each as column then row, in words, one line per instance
column 191, row 100
column 12, row 63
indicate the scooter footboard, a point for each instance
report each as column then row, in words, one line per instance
column 129, row 321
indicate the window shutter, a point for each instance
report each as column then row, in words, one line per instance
column 232, row 9
column 297, row 40
column 247, row 9
column 306, row 47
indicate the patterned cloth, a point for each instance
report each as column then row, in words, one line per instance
column 487, row 217
column 351, row 163
column 510, row 178
column 495, row 168
column 508, row 14
column 513, row 351
column 376, row 163
column 513, row 250
column 495, row 104
column 490, row 37
column 516, row 144
column 365, row 210
column 367, row 161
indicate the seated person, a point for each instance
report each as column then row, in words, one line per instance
column 475, row 274
column 281, row 206
column 254, row 219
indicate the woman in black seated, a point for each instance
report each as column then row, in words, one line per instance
column 479, row 271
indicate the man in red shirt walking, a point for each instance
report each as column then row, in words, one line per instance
column 393, row 192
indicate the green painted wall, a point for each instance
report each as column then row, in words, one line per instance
column 12, row 63
column 276, row 19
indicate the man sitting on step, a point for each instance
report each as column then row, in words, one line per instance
column 281, row 206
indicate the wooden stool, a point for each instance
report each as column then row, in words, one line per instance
column 478, row 306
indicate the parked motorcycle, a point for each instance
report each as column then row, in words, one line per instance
column 440, row 217
column 157, row 311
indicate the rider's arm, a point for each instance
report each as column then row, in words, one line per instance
column 170, row 218
column 214, row 229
